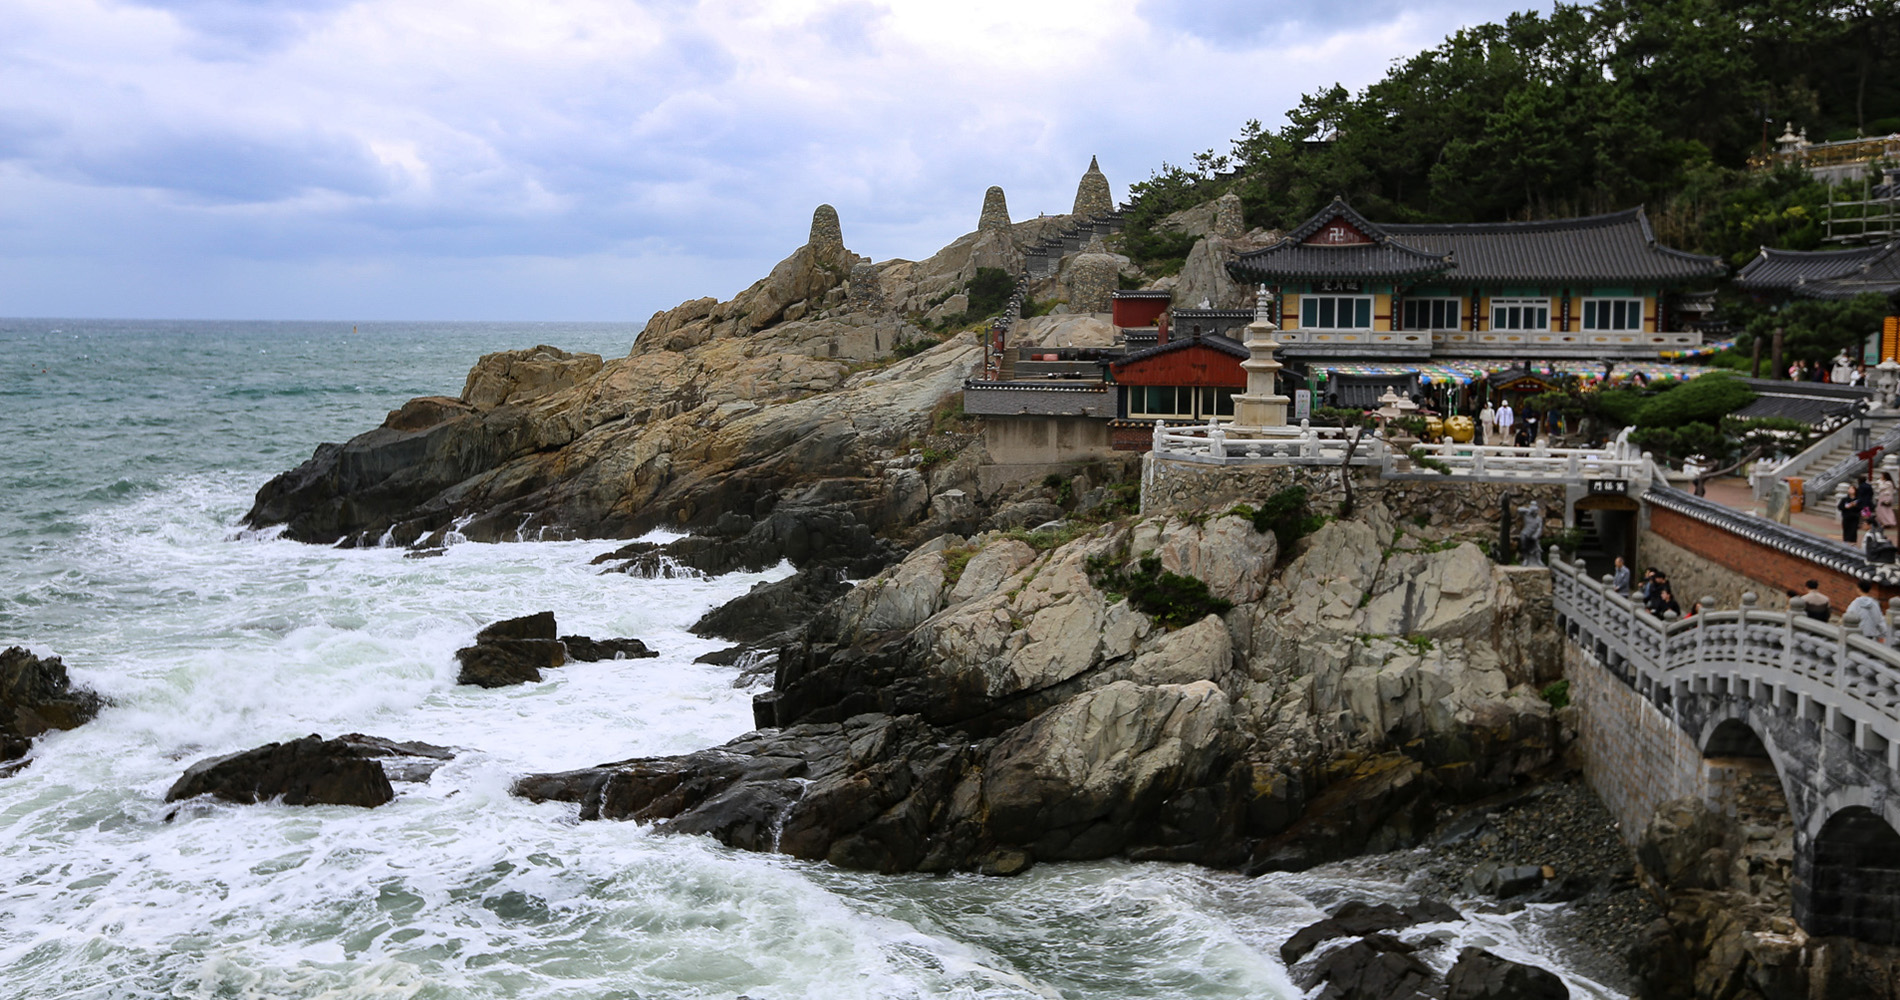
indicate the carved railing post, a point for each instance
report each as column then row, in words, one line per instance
column 1849, row 622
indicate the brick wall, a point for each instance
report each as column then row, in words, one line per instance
column 1729, row 563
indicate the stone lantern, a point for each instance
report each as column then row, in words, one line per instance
column 1261, row 405
column 1887, row 383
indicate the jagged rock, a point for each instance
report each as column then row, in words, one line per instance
column 346, row 771
column 1356, row 918
column 1376, row 967
column 511, row 652
column 539, row 625
column 1480, row 975
column 1684, row 846
column 502, row 662
column 1065, row 331
column 1226, row 552
column 586, row 650
column 35, row 696
column 1124, row 768
column 989, row 567
column 517, row 377
column 771, row 608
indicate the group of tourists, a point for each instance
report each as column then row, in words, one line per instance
column 1656, row 594
column 1844, row 371
column 1816, row 605
column 1501, row 425
column 1867, row 509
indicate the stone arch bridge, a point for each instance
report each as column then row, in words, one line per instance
column 1664, row 700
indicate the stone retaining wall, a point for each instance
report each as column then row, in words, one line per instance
column 1634, row 756
column 1169, row 486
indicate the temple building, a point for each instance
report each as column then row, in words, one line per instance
column 1591, row 288
column 1823, row 274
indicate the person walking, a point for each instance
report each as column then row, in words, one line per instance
column 1873, row 624
column 1620, row 579
column 1815, row 603
column 1507, row 420
column 1488, row 420
column 1885, row 492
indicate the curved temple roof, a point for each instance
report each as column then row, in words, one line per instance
column 1615, row 248
column 1824, row 274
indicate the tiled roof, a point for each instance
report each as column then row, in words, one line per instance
column 1141, row 293
column 1608, row 248
column 1618, row 247
column 1824, row 274
column 1812, row 402
column 1215, row 341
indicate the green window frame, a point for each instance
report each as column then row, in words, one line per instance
column 1336, row 312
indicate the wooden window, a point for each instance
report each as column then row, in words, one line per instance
column 1613, row 314
column 1431, row 314
column 1520, row 314
column 1336, row 312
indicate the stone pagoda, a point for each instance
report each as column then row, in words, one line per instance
column 1261, row 405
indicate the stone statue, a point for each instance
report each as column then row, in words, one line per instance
column 1531, row 534
column 1887, row 383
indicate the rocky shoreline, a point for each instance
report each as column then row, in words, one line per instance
column 1282, row 680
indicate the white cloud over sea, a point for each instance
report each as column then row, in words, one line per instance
column 594, row 159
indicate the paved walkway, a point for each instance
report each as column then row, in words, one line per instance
column 1734, row 493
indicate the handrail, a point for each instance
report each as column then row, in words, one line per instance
column 1844, row 469
column 1827, row 673
column 1304, row 444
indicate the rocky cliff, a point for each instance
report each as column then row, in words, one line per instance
column 719, row 407
column 1171, row 688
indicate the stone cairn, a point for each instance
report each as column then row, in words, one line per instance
column 827, row 237
column 1092, row 279
column 995, row 211
column 1092, row 196
column 1229, row 222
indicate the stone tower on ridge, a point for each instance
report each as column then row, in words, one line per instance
column 995, row 211
column 1092, row 196
column 827, row 236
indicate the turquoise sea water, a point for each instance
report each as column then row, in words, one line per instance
column 128, row 451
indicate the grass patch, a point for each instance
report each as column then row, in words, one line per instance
column 1173, row 600
column 1557, row 693
column 955, row 559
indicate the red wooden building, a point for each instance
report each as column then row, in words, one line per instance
column 1186, row 381
column 1133, row 310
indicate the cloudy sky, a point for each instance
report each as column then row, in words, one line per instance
column 594, row 159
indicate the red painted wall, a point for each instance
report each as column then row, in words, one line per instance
column 1775, row 570
column 1137, row 312
column 1195, row 366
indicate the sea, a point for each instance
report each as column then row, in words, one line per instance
column 129, row 451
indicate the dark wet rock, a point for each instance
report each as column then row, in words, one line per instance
column 1504, row 881
column 352, row 770
column 539, row 625
column 580, row 647
column 1356, row 919
column 1480, row 975
column 37, row 696
column 722, row 657
column 1146, row 772
column 770, row 609
column 502, row 662
column 1376, row 967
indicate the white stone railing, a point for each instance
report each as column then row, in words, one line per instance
column 1225, row 444
column 1817, row 671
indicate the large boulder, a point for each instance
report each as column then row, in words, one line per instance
column 769, row 609
column 1480, row 975
column 511, row 652
column 516, row 377
column 346, row 771
column 1144, row 771
column 37, row 696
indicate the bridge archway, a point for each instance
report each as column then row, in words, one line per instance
column 1853, row 877
column 1745, row 780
